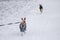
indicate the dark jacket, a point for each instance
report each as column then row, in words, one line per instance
column 41, row 7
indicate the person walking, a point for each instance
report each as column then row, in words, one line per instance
column 41, row 8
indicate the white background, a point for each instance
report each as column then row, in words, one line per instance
column 45, row 26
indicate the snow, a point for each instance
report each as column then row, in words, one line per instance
column 45, row 26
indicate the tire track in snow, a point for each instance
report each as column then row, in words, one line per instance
column 9, row 24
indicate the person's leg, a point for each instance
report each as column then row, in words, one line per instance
column 41, row 10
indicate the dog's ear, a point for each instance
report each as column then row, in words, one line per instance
column 24, row 18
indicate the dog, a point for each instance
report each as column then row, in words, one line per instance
column 23, row 25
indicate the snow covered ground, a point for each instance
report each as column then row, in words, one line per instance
column 45, row 26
